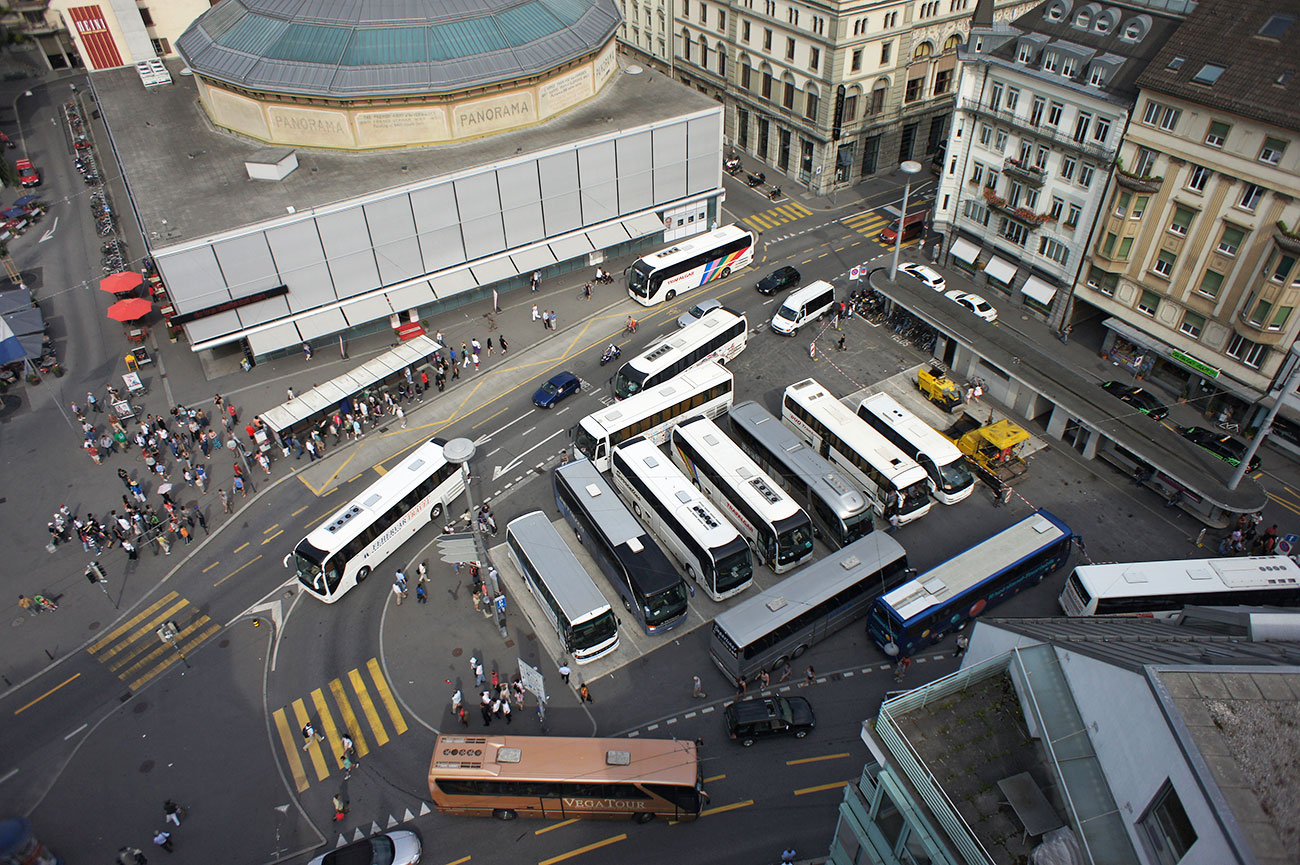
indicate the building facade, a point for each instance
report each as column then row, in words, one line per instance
column 828, row 93
column 1042, row 106
column 1194, row 263
column 103, row 35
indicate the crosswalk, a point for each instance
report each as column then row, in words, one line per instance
column 334, row 716
column 868, row 224
column 771, row 218
column 136, row 653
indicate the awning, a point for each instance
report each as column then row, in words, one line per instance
column 14, row 213
column 452, row 283
column 26, row 200
column 1145, row 340
column 965, row 250
column 640, row 226
column 272, row 339
column 411, row 296
column 1000, row 269
column 533, row 259
column 570, row 247
column 608, row 235
column 1039, row 290
column 367, row 309
column 494, row 270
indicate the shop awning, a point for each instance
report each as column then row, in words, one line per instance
column 607, row 235
column 26, row 200
column 640, row 226
column 1000, row 269
column 14, row 213
column 1039, row 290
column 1144, row 340
column 965, row 250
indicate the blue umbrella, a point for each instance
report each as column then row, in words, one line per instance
column 26, row 200
column 10, row 348
column 14, row 213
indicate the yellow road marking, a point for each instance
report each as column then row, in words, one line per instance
column 714, row 778
column 144, row 630
column 66, row 681
column 290, row 745
column 300, row 510
column 327, row 723
column 131, row 623
column 578, row 852
column 241, row 546
column 211, row 566
column 349, row 717
column 1284, row 503
column 488, row 418
column 251, row 561
column 460, row 861
column 271, row 529
column 723, row 808
column 820, row 787
column 313, row 749
column 380, row 470
column 167, row 655
column 816, row 759
column 386, row 696
column 368, row 707
column 546, row 829
column 273, row 537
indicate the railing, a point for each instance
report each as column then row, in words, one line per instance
column 1021, row 214
column 1015, row 168
column 1102, row 154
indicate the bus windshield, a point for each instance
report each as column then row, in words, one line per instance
column 585, row 442
column 735, row 568
column 793, row 544
column 858, row 526
column 628, row 382
column 665, row 605
column 916, row 496
column 595, row 631
column 307, row 564
column 955, row 475
column 638, row 279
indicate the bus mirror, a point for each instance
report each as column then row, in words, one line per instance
column 910, row 572
column 287, row 558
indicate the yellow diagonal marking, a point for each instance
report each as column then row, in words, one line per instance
column 820, row 787
column 290, row 745
column 749, row 220
column 327, row 725
column 723, row 808
column 816, row 759
column 713, row 778
column 554, row 826
column 165, row 655
column 246, row 564
column 368, row 707
column 317, row 758
column 143, row 633
column 803, row 211
column 131, row 623
column 380, row 470
column 349, row 717
column 792, row 211
column 386, row 696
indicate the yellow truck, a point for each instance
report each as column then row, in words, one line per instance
column 935, row 386
column 992, row 449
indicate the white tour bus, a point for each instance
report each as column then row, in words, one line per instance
column 356, row 539
column 565, row 591
column 845, row 439
column 802, row 306
column 709, row 548
column 720, row 334
column 689, row 264
column 777, row 529
column 707, row 389
column 830, row 497
column 1161, row 589
column 950, row 477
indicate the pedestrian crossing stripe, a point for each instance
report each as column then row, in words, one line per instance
column 133, row 650
column 775, row 216
column 870, row 225
column 322, row 716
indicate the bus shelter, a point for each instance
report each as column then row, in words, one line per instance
column 311, row 409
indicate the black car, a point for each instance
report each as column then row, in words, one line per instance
column 1222, row 445
column 1139, row 398
column 758, row 717
column 778, row 280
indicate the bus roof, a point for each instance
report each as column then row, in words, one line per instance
column 710, row 528
column 694, row 245
column 665, row 350
column 343, row 525
column 807, row 587
column 566, row 578
column 944, row 582
column 909, row 426
column 635, row 548
column 749, row 480
column 1139, row 579
column 542, row 758
column 648, row 401
column 872, row 445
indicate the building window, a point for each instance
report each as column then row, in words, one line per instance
column 810, row 108
column 1230, row 240
column 1121, row 203
column 1165, row 263
column 789, row 48
column 986, row 134
column 1209, row 74
column 788, row 98
column 1108, row 245
column 1149, row 302
column 1260, row 313
column 1036, row 110
column 1101, row 131
column 1145, row 162
column 857, row 60
column 722, row 19
column 1014, row 191
column 767, row 39
column 767, row 85
column 1054, row 114
column 1125, row 249
column 976, row 212
column 1280, row 318
column 1049, row 62
column 1086, row 172
column 851, row 108
column 1057, row 207
column 995, row 96
column 1283, row 268
column 1000, row 142
column 1161, row 116
column 977, row 173
column 1218, row 133
column 885, row 49
column 1040, row 160
column 1026, row 53
column 1252, row 355
column 1013, row 231
column 1140, row 206
column 745, row 74
column 1013, row 98
column 744, row 31
column 161, row 47
column 1197, row 178
column 1073, row 216
column 1271, row 153
column 1102, row 281
column 814, row 57
column 1067, row 167
column 1081, row 126
column 943, row 81
column 1097, row 75
column 1051, row 248
column 1250, row 197
column 1069, row 66
column 704, row 14
column 1192, row 324
column 913, row 90
column 992, row 181
column 877, row 100
column 1211, row 282
column 146, row 17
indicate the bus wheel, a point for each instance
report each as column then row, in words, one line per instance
column 726, row 272
column 504, row 814
column 799, row 650
column 362, row 574
column 626, row 604
column 435, row 510
column 643, row 817
column 670, row 295
column 779, row 663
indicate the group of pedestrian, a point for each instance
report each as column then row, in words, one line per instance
column 547, row 316
column 487, row 521
column 172, row 813
column 1246, row 539
column 493, row 702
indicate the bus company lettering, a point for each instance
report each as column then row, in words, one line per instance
column 731, row 509
column 397, row 527
column 603, row 804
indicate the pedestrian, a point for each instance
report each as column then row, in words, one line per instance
column 537, row 279
column 225, row 500
column 44, row 603
column 399, row 588
column 464, row 355
column 584, row 693
column 496, row 680
column 764, row 679
column 401, row 415
column 131, row 856
column 505, row 709
column 839, row 346
column 565, row 671
column 310, row 735
column 163, row 840
column 264, row 462
column 536, row 315
column 904, row 664
column 963, row 643
column 420, row 595
column 340, row 808
column 586, row 291
column 129, row 549
column 464, row 717
column 553, row 327
column 810, row 676
column 456, row 700
column 697, row 690
column 238, row 484
column 290, row 393
column 787, row 856
column 479, row 678
column 94, row 404
column 504, row 346
column 306, row 350
column 172, row 812
column 348, row 764
column 26, row 603
column 485, row 709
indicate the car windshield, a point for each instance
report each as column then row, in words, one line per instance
column 550, row 388
column 783, row 709
column 788, row 314
column 696, row 311
column 381, row 852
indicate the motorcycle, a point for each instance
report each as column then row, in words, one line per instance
column 755, row 180
column 775, row 194
column 605, row 278
column 612, row 352
column 732, row 165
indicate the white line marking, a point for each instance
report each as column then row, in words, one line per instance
column 73, row 733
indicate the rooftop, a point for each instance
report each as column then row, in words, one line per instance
column 218, row 196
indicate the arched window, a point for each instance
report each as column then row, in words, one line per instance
column 686, row 44
column 924, row 50
column 812, row 101
column 787, row 97
column 878, row 92
column 852, row 102
column 952, row 43
column 746, row 73
column 704, row 51
column 722, row 58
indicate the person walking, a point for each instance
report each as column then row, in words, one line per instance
column 172, row 812
column 697, row 690
column 584, row 693
column 401, row 415
column 479, row 677
column 131, row 856
column 306, row 350
column 239, row 486
column 485, row 709
column 27, row 604
column 537, row 279
column 464, row 355
column 340, row 808
column 94, row 404
column 163, row 840
column 565, row 671
column 504, row 345
column 225, row 500
column 310, row 735
column 457, row 699
column 399, row 587
column 536, row 314
column 420, row 595
column 505, row 710
column 809, row 676
column 553, row 327
column 586, row 291
column 904, row 664
column 198, row 515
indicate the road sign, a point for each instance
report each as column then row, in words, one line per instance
column 855, row 272
column 1287, row 544
column 457, row 548
column 532, row 680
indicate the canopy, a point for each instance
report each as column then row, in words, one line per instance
column 10, row 348
column 118, row 283
column 14, row 299
column 130, row 309
column 25, row 321
column 14, row 213
column 26, row 200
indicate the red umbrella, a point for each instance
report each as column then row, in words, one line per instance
column 130, row 309
column 118, row 283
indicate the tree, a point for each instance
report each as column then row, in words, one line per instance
column 8, row 174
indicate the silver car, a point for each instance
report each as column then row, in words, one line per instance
column 695, row 313
column 387, row 848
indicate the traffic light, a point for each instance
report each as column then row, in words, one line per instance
column 95, row 573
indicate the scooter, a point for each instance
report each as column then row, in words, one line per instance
column 732, row 165
column 612, row 352
column 775, row 194
column 755, row 180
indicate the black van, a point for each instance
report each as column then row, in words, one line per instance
column 750, row 720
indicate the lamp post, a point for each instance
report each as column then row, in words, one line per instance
column 21, row 137
column 909, row 168
column 461, row 451
column 1288, row 386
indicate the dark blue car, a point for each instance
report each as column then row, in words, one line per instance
column 557, row 388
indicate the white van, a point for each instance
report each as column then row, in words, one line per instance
column 802, row 306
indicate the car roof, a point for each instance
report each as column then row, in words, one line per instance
column 561, row 377
column 922, row 269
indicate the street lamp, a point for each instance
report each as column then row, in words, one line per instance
column 1288, row 386
column 21, row 137
column 461, row 451
column 909, row 168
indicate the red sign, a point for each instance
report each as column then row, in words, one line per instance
column 92, row 29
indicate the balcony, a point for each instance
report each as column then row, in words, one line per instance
column 1137, row 182
column 1024, row 215
column 1013, row 167
column 1105, row 155
column 1286, row 238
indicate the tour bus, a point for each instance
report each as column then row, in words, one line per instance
column 950, row 477
column 776, row 626
column 802, row 306
column 846, row 440
column 777, row 529
column 647, row 582
column 720, row 334
column 564, row 590
column 838, row 508
column 707, row 389
column 689, row 263
column 559, row 778
column 926, row 609
column 356, row 539
column 1161, row 589
column 710, row 549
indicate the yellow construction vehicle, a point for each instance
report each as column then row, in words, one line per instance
column 935, row 386
column 992, row 449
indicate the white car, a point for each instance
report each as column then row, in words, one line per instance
column 401, row 847
column 974, row 303
column 927, row 276
column 695, row 313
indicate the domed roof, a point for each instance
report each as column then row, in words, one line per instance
column 348, row 49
